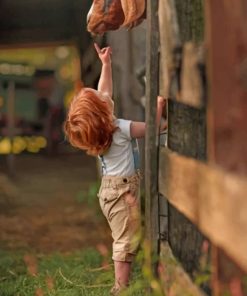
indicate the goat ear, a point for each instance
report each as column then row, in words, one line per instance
column 134, row 12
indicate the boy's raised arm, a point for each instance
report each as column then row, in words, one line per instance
column 105, row 81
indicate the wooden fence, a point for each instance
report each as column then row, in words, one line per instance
column 202, row 170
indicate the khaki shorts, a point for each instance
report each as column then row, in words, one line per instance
column 120, row 202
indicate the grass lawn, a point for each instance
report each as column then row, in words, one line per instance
column 54, row 240
column 84, row 272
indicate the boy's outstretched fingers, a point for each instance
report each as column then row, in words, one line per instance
column 103, row 53
column 102, row 50
column 97, row 48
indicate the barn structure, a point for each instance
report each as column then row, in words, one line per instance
column 193, row 52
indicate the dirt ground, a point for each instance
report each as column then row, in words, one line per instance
column 42, row 212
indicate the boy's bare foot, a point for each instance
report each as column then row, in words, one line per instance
column 117, row 289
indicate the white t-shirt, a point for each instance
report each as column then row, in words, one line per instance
column 119, row 159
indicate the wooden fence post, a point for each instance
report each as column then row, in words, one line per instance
column 151, row 153
column 186, row 130
column 227, row 121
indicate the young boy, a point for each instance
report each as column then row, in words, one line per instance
column 92, row 126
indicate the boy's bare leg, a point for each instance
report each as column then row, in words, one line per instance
column 122, row 273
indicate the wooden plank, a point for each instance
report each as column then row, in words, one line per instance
column 197, row 190
column 170, row 44
column 191, row 80
column 227, row 64
column 191, row 20
column 173, row 277
column 151, row 149
column 226, row 37
column 192, row 88
column 179, row 23
column 187, row 136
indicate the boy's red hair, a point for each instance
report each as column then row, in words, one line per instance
column 89, row 124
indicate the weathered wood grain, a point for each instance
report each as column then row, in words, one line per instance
column 192, row 88
column 187, row 136
column 169, row 44
column 175, row 281
column 179, row 66
column 227, row 48
column 151, row 149
column 190, row 15
column 211, row 198
column 226, row 37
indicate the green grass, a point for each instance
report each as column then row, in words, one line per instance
column 76, row 274
column 79, row 273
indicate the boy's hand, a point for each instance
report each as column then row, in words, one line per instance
column 161, row 101
column 161, row 123
column 104, row 54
